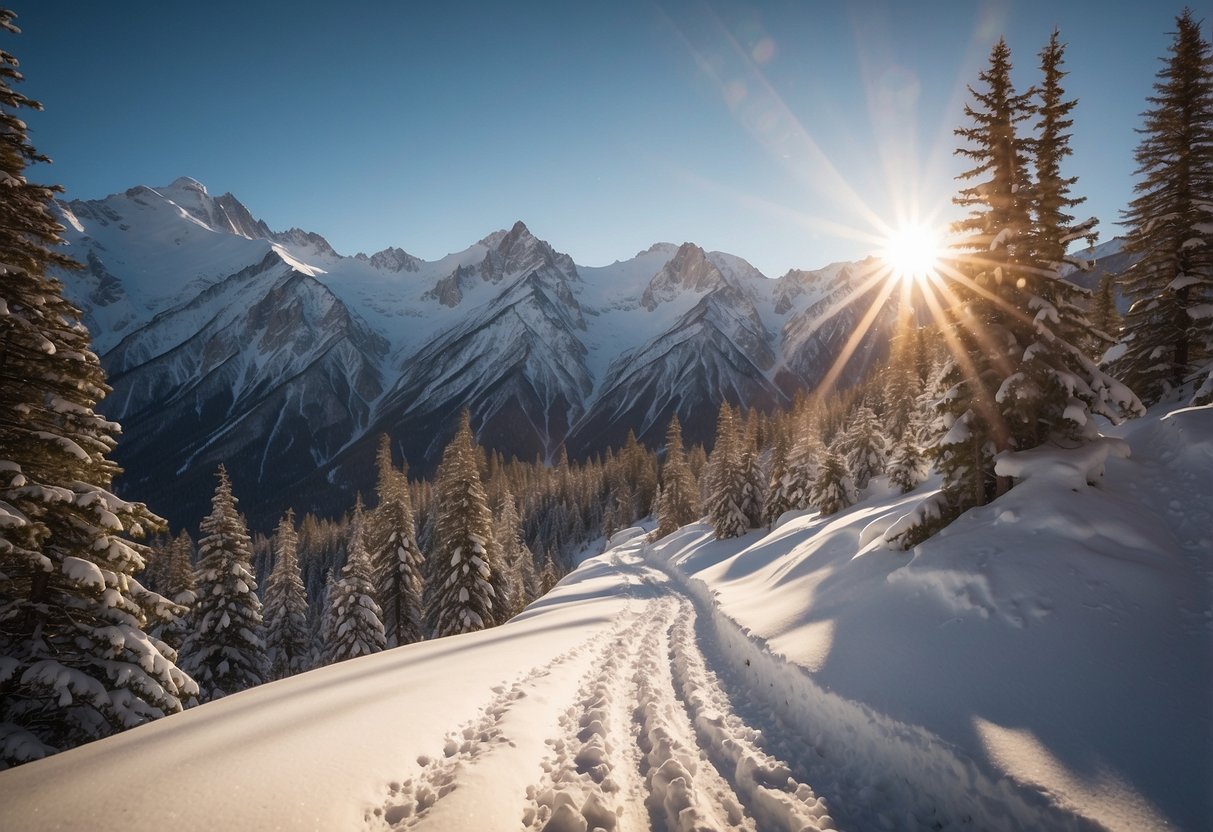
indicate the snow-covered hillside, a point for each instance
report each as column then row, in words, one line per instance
column 218, row 332
column 1045, row 663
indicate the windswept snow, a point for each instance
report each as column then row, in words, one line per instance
column 1045, row 663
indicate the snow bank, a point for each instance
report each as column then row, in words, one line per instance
column 1050, row 651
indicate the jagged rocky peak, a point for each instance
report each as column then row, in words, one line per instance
column 519, row 251
column 689, row 270
column 449, row 290
column 392, row 259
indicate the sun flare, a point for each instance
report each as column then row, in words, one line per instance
column 912, row 252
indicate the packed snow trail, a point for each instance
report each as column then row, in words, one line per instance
column 647, row 741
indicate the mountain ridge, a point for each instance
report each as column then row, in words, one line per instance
column 185, row 295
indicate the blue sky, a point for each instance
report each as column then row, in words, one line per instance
column 786, row 133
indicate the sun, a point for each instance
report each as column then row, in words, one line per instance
column 912, row 252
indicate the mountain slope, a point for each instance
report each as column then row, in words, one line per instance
column 1044, row 664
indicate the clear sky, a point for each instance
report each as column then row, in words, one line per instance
column 783, row 132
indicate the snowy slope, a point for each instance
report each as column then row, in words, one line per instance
column 1045, row 664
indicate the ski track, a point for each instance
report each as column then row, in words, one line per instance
column 664, row 734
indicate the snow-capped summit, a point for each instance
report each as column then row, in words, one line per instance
column 688, row 270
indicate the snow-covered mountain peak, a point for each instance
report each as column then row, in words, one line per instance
column 688, row 270
column 186, row 183
column 392, row 259
column 659, row 248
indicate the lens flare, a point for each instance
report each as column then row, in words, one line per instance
column 912, row 252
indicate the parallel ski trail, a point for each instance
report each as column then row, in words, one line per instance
column 592, row 779
column 765, row 784
column 685, row 791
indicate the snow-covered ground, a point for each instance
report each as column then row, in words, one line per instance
column 1046, row 663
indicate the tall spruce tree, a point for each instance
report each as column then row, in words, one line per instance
column 779, row 483
column 177, row 580
column 726, row 482
column 833, row 490
column 517, row 562
column 75, row 661
column 287, row 637
column 987, row 324
column 353, row 624
column 866, row 448
column 397, row 564
column 225, row 650
column 679, row 501
column 465, row 594
column 1169, row 327
column 1056, row 387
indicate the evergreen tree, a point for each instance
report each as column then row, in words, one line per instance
column 779, row 483
column 907, row 466
column 1105, row 318
column 225, row 651
column 1056, row 387
column 833, row 490
column 75, row 661
column 397, row 564
column 548, row 576
column 987, row 325
column 517, row 563
column 726, row 479
column 749, row 486
column 178, row 586
column 802, row 467
column 465, row 553
column 679, row 501
column 287, row 637
column 1169, row 326
column 866, row 450
column 353, row 624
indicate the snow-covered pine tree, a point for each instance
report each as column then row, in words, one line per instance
column 679, row 502
column 1169, row 327
column 867, row 451
column 750, row 485
column 75, row 661
column 287, row 637
column 1105, row 318
column 353, row 624
column 317, row 623
column 725, row 478
column 988, row 328
column 225, row 650
column 397, row 564
column 517, row 562
column 907, row 464
column 803, row 464
column 1055, row 387
column 465, row 552
column 548, row 576
column 833, row 489
column 779, row 483
column 178, row 586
